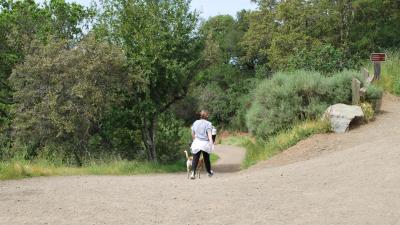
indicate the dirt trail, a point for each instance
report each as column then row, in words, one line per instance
column 328, row 179
column 230, row 158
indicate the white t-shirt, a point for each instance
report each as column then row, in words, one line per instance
column 200, row 129
column 214, row 131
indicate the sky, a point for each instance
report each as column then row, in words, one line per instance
column 207, row 8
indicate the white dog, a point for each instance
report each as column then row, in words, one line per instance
column 189, row 163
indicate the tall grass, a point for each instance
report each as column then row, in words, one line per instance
column 18, row 169
column 260, row 150
column 390, row 73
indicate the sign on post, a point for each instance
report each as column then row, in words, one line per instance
column 377, row 58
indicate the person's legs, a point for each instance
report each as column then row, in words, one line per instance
column 196, row 158
column 206, row 157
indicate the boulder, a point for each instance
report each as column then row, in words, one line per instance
column 340, row 116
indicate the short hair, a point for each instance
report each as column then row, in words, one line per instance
column 204, row 114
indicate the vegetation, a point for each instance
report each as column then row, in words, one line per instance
column 18, row 169
column 116, row 87
column 368, row 111
column 261, row 149
column 24, row 169
column 390, row 69
column 66, row 106
column 295, row 96
column 162, row 46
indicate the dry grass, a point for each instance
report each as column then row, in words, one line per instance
column 260, row 150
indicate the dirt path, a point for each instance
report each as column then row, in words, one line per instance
column 230, row 158
column 352, row 178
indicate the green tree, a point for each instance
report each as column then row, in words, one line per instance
column 21, row 22
column 375, row 26
column 63, row 96
column 161, row 42
column 224, row 79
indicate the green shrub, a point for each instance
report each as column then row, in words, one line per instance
column 339, row 86
column 172, row 138
column 390, row 70
column 323, row 58
column 227, row 103
column 368, row 111
column 373, row 95
column 295, row 96
column 264, row 149
column 62, row 97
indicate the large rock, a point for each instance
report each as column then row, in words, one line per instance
column 340, row 116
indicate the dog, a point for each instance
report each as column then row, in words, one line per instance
column 189, row 163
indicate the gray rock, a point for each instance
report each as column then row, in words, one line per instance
column 340, row 116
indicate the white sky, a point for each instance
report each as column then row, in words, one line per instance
column 217, row 7
column 207, row 8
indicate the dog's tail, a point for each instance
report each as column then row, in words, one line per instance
column 186, row 153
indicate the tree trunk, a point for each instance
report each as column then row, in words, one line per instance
column 149, row 137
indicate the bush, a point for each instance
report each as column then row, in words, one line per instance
column 373, row 95
column 295, row 96
column 262, row 150
column 368, row 111
column 63, row 96
column 323, row 58
column 227, row 105
column 390, row 79
column 172, row 138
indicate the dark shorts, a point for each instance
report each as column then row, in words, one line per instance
column 213, row 137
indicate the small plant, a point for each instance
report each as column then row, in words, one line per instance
column 368, row 111
column 374, row 95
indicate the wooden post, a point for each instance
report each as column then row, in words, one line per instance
column 355, row 87
column 365, row 74
column 377, row 70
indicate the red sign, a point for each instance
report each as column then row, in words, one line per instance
column 378, row 57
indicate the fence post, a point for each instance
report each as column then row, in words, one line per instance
column 365, row 73
column 355, row 87
column 377, row 70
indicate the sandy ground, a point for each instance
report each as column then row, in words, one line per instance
column 352, row 178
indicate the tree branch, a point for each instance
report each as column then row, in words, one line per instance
column 6, row 101
column 5, row 85
column 3, row 113
column 175, row 99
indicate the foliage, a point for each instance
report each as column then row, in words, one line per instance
column 223, row 84
column 160, row 41
column 324, row 58
column 292, row 96
column 262, row 150
column 23, row 169
column 73, row 99
column 374, row 95
column 390, row 77
column 375, row 26
column 172, row 138
column 284, row 31
column 22, row 22
column 236, row 140
column 368, row 111
column 63, row 95
column 18, row 169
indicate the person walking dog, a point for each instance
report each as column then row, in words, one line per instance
column 214, row 134
column 202, row 143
